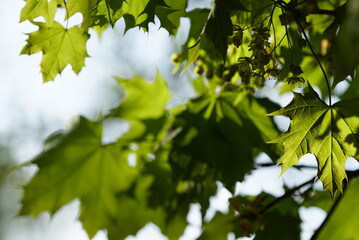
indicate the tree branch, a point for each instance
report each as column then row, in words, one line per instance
column 286, row 195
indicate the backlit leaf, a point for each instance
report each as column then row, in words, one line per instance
column 328, row 132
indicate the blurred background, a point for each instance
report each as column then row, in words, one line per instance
column 31, row 110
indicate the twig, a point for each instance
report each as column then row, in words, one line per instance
column 286, row 195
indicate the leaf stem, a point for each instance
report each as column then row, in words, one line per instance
column 318, row 61
column 67, row 15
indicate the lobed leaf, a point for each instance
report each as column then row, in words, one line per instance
column 60, row 47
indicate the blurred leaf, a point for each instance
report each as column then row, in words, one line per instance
column 60, row 47
column 320, row 199
column 143, row 99
column 219, row 227
column 343, row 222
column 328, row 132
column 76, row 165
column 282, row 222
column 346, row 51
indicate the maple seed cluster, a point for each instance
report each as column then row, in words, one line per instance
column 253, row 70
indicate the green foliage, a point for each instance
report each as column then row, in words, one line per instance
column 173, row 157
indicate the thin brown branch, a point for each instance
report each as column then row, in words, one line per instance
column 286, row 195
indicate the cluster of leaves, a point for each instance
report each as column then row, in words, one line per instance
column 172, row 158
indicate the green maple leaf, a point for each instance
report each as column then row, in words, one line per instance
column 37, row 8
column 328, row 132
column 76, row 165
column 85, row 7
column 60, row 47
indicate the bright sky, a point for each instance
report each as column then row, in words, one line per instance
column 30, row 110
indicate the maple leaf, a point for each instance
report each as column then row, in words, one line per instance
column 74, row 165
column 328, row 132
column 37, row 8
column 60, row 47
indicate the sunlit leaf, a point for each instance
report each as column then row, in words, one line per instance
column 328, row 132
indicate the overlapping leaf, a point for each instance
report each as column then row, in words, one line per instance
column 223, row 136
column 60, row 47
column 328, row 132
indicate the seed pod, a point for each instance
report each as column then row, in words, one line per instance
column 175, row 58
column 198, row 69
